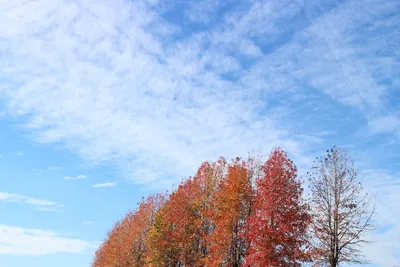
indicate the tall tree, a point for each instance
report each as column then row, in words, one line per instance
column 280, row 217
column 180, row 235
column 106, row 254
column 341, row 212
column 164, row 246
column 141, row 223
column 114, row 248
column 229, row 242
column 127, row 243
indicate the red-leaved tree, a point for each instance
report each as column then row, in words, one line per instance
column 280, row 218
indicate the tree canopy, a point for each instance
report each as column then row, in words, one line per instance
column 247, row 213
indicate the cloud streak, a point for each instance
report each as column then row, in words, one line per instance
column 19, row 153
column 385, row 188
column 37, row 203
column 174, row 108
column 78, row 177
column 121, row 82
column 19, row 241
column 104, row 185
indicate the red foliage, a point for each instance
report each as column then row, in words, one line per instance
column 217, row 218
column 279, row 222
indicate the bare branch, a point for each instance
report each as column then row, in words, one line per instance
column 341, row 213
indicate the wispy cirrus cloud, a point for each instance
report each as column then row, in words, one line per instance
column 19, row 153
column 37, row 203
column 34, row 242
column 174, row 106
column 53, row 168
column 386, row 124
column 384, row 186
column 108, row 184
column 78, row 177
column 50, row 168
column 157, row 98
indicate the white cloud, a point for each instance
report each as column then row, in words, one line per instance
column 385, row 250
column 78, row 177
column 109, row 184
column 385, row 124
column 33, row 242
column 51, row 168
column 384, row 187
column 202, row 12
column 38, row 203
column 340, row 54
column 121, row 88
column 19, row 153
column 161, row 117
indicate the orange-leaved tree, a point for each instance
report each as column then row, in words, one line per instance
column 108, row 252
column 127, row 243
column 180, row 234
column 232, row 201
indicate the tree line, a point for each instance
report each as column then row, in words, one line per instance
column 248, row 213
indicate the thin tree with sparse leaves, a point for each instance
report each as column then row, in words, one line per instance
column 341, row 213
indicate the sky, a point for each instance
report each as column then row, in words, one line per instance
column 103, row 102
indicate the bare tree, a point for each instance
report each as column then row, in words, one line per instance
column 342, row 213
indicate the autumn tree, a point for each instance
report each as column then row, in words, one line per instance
column 240, row 214
column 108, row 252
column 341, row 212
column 127, row 243
column 232, row 207
column 180, row 234
column 164, row 246
column 141, row 225
column 280, row 217
column 172, row 236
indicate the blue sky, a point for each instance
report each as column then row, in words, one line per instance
column 102, row 102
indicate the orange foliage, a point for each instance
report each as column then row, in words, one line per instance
column 180, row 234
column 219, row 217
column 232, row 207
column 127, row 243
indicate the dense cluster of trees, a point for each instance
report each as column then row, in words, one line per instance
column 247, row 213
